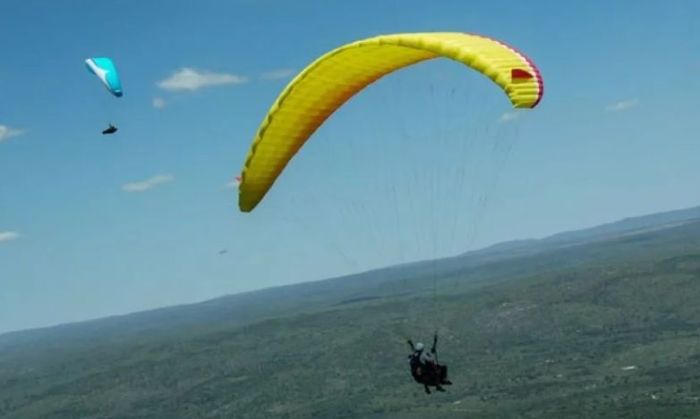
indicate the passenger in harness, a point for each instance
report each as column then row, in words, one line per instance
column 425, row 368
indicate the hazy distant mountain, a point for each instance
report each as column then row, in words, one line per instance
column 407, row 279
column 597, row 323
column 602, row 232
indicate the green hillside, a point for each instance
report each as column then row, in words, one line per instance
column 604, row 328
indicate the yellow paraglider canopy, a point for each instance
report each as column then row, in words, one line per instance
column 332, row 79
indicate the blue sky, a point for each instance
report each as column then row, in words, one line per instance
column 430, row 161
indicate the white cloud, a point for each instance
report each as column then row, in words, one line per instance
column 146, row 184
column 623, row 105
column 158, row 102
column 508, row 116
column 278, row 74
column 6, row 236
column 233, row 183
column 6, row 132
column 191, row 79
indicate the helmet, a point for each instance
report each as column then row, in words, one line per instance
column 419, row 346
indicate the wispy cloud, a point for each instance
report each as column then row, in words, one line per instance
column 622, row 105
column 281, row 73
column 7, row 236
column 158, row 102
column 6, row 132
column 508, row 117
column 146, row 184
column 233, row 183
column 191, row 79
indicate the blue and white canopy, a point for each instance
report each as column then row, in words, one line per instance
column 106, row 71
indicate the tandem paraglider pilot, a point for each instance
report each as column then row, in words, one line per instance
column 425, row 368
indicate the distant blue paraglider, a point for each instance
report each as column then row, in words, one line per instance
column 106, row 71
